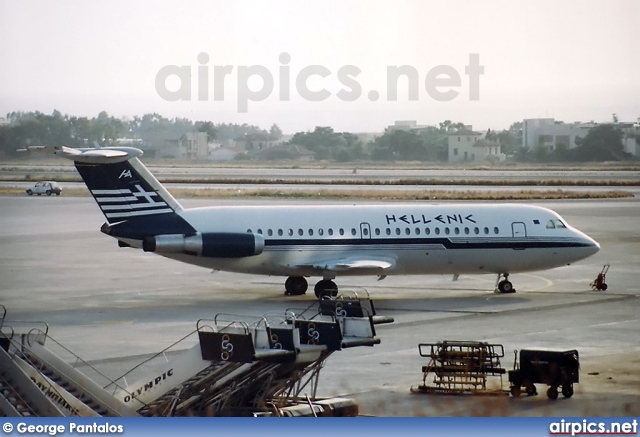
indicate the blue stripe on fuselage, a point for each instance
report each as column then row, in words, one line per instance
column 445, row 242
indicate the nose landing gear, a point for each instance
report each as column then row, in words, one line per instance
column 504, row 285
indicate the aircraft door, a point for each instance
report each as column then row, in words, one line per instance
column 519, row 229
column 365, row 231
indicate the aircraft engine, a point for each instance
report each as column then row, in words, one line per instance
column 212, row 245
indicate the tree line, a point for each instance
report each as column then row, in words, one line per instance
column 430, row 143
column 26, row 129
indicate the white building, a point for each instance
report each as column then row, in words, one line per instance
column 405, row 125
column 549, row 133
column 192, row 145
column 467, row 145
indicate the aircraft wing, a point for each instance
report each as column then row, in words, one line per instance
column 375, row 266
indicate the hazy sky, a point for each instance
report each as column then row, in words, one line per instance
column 570, row 60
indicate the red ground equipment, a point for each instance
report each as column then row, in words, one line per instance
column 599, row 283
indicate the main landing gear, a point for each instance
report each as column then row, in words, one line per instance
column 297, row 285
column 504, row 285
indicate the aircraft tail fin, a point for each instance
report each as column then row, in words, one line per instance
column 120, row 183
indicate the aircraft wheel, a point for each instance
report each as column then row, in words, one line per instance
column 515, row 391
column 506, row 287
column 552, row 393
column 567, row 391
column 326, row 287
column 295, row 286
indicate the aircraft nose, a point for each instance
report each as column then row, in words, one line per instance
column 592, row 245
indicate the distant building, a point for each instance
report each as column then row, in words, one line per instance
column 467, row 145
column 192, row 145
column 551, row 134
column 253, row 145
column 405, row 125
column 195, row 145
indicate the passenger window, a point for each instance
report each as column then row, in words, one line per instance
column 300, row 232
column 377, row 231
column 290, row 232
column 280, row 232
column 446, row 231
column 260, row 231
column 388, row 231
column 320, row 231
column 248, row 231
column 496, row 231
column 330, row 231
column 486, row 231
column 407, row 231
column 353, row 231
column 417, row 231
column 398, row 231
column 427, row 231
column 456, row 231
column 341, row 231
column 476, row 231
column 365, row 232
column 466, row 231
column 310, row 231
column 269, row 232
column 437, row 231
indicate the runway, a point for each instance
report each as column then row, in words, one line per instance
column 112, row 306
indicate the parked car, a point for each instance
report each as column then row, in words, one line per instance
column 45, row 187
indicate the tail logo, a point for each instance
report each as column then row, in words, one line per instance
column 126, row 173
column 126, row 203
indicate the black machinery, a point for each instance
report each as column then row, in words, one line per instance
column 555, row 369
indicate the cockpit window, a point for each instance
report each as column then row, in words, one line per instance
column 555, row 224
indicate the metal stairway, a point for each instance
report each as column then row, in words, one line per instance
column 39, row 383
column 238, row 366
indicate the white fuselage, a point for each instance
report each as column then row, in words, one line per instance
column 411, row 238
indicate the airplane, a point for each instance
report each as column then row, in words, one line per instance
column 325, row 241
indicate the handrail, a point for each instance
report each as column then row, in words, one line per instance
column 52, row 387
column 230, row 324
column 301, row 314
column 256, row 322
column 37, row 337
column 279, row 319
column 4, row 314
column 32, row 322
column 78, row 359
column 162, row 352
column 344, row 293
column 10, row 337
